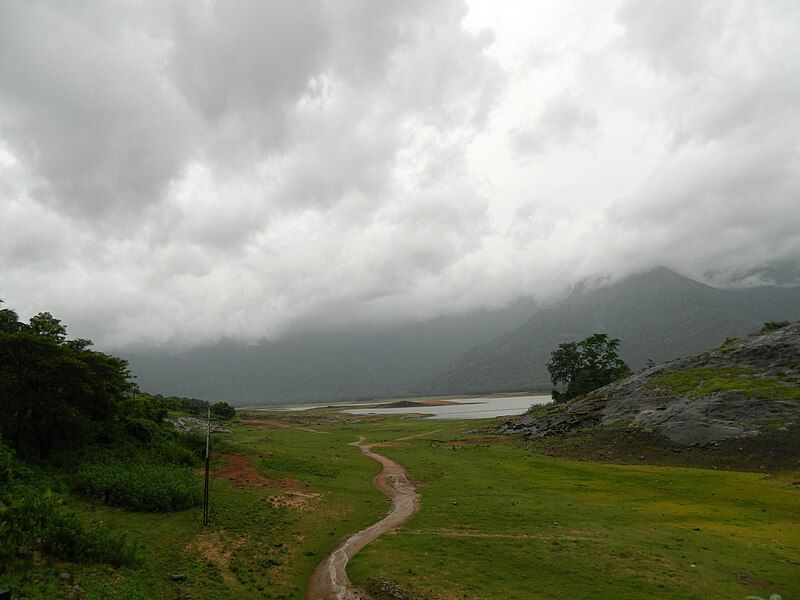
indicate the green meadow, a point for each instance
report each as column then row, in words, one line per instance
column 495, row 520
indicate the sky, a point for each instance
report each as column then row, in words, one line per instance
column 176, row 172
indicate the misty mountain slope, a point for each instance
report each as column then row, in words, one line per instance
column 658, row 315
column 349, row 363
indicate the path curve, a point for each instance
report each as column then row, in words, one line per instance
column 329, row 580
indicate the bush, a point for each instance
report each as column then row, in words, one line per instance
column 175, row 454
column 142, row 487
column 38, row 520
column 194, row 442
column 143, row 430
column 773, row 325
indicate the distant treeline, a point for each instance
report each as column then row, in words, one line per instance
column 193, row 406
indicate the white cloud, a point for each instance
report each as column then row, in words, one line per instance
column 180, row 172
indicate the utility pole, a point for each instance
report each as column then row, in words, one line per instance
column 208, row 456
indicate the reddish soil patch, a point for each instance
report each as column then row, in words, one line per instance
column 239, row 470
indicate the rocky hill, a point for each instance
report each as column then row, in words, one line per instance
column 740, row 390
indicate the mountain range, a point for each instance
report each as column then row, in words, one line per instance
column 657, row 315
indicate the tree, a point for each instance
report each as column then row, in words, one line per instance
column 223, row 410
column 9, row 321
column 55, row 393
column 79, row 344
column 46, row 325
column 581, row 367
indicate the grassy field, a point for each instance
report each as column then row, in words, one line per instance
column 496, row 520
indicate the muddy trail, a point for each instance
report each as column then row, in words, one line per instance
column 329, row 580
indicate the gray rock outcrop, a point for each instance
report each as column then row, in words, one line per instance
column 195, row 425
column 643, row 401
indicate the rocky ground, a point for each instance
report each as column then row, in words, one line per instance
column 195, row 425
column 744, row 390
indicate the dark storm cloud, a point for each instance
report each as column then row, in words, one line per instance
column 267, row 157
column 84, row 109
column 180, row 171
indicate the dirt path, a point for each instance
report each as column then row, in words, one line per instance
column 329, row 580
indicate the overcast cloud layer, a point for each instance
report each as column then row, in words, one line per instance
column 174, row 172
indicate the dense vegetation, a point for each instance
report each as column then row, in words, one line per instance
column 35, row 520
column 75, row 428
column 581, row 367
column 56, row 394
column 144, row 487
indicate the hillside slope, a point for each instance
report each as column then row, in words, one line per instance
column 741, row 390
column 658, row 315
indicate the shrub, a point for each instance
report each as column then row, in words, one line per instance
column 143, row 430
column 773, row 325
column 194, row 442
column 142, row 487
column 39, row 520
column 172, row 453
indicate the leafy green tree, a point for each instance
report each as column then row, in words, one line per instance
column 56, row 393
column 9, row 320
column 79, row 344
column 46, row 325
column 580, row 367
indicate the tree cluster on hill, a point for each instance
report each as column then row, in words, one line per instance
column 58, row 394
column 192, row 406
column 55, row 393
column 72, row 419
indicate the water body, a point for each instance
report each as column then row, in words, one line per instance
column 464, row 408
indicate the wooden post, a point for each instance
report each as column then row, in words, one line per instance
column 208, row 457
